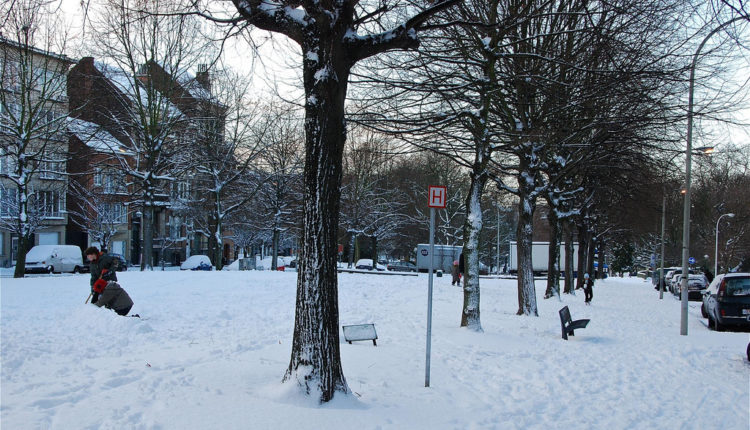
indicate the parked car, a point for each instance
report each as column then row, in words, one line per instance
column 667, row 278
column 402, row 266
column 726, row 301
column 366, row 264
column 697, row 284
column 54, row 258
column 122, row 264
column 196, row 262
column 676, row 282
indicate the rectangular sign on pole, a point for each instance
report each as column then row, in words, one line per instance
column 437, row 196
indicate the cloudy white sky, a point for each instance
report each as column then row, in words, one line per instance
column 274, row 71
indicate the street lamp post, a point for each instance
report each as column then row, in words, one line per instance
column 663, row 219
column 716, row 249
column 686, row 211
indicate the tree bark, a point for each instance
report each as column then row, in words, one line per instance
column 315, row 362
column 275, row 250
column 470, row 317
column 569, row 252
column 526, row 289
column 147, row 255
column 582, row 251
column 590, row 256
column 553, row 268
column 23, row 248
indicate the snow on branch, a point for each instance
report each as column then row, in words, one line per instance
column 402, row 37
column 276, row 16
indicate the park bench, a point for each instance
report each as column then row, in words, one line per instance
column 353, row 333
column 568, row 325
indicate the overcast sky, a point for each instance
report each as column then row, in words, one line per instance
column 276, row 69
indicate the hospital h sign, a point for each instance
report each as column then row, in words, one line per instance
column 436, row 196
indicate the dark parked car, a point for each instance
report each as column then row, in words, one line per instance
column 122, row 264
column 726, row 302
column 402, row 266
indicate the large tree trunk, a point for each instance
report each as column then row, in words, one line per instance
column 147, row 255
column 23, row 248
column 472, row 228
column 374, row 252
column 553, row 269
column 526, row 288
column 352, row 237
column 569, row 251
column 590, row 256
column 315, row 361
column 26, row 235
column 582, row 251
column 275, row 251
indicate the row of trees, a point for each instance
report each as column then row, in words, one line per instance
column 548, row 100
column 561, row 102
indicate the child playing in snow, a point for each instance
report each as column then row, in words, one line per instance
column 105, row 289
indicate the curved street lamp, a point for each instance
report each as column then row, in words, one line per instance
column 716, row 250
column 688, row 160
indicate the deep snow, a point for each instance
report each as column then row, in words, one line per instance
column 213, row 347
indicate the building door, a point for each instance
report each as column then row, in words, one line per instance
column 48, row 239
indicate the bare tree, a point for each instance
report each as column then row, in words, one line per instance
column 280, row 196
column 333, row 37
column 97, row 214
column 33, row 121
column 156, row 116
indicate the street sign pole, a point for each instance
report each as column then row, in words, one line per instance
column 436, row 198
column 429, row 297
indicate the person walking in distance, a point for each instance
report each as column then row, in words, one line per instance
column 588, row 288
column 455, row 274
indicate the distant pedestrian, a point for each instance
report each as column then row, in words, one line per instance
column 588, row 288
column 105, row 290
column 455, row 274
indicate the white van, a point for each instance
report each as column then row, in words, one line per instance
column 54, row 258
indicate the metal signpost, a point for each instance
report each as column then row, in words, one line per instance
column 436, row 199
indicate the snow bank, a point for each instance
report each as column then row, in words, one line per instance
column 212, row 349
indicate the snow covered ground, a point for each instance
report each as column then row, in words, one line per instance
column 213, row 346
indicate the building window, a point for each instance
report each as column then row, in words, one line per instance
column 51, row 169
column 7, row 163
column 114, row 182
column 8, row 202
column 98, row 177
column 50, row 204
column 114, row 213
column 181, row 190
column 174, row 227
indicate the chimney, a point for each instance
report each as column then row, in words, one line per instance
column 203, row 77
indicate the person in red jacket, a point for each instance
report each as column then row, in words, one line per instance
column 105, row 289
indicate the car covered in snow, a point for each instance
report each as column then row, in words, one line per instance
column 54, row 259
column 197, row 262
column 366, row 264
